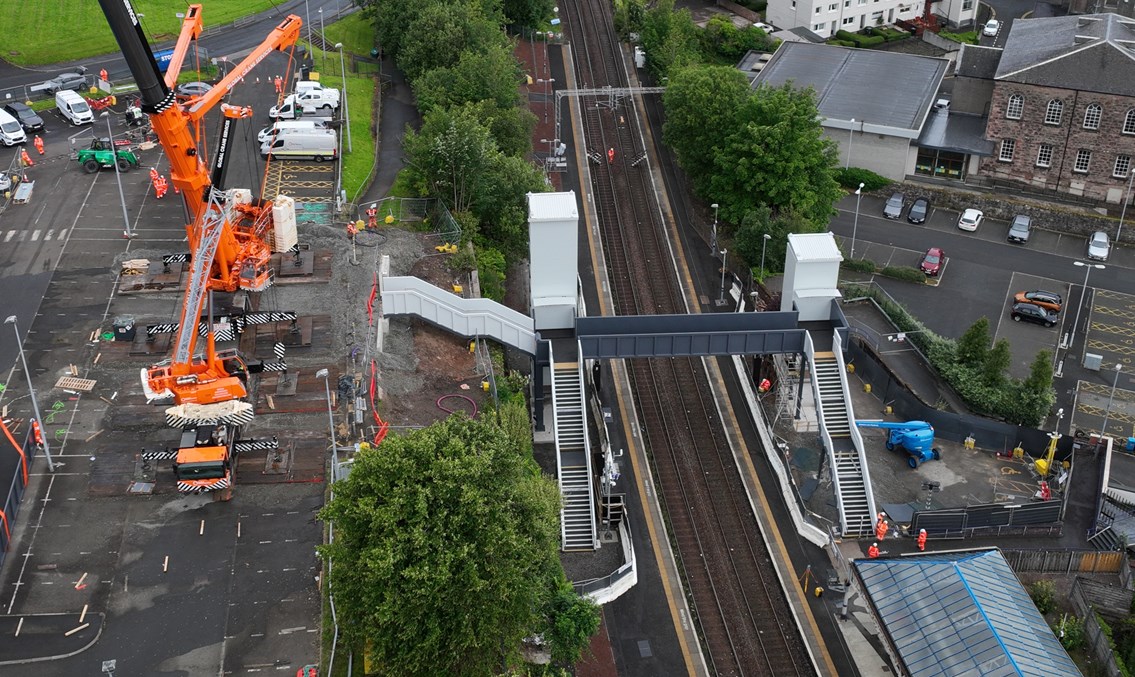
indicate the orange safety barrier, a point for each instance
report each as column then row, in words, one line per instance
column 19, row 450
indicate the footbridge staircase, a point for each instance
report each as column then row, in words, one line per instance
column 851, row 481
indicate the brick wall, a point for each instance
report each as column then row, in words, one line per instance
column 1066, row 139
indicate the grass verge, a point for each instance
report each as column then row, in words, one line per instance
column 358, row 163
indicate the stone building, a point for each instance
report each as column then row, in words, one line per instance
column 1061, row 112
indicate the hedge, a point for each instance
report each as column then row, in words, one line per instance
column 860, row 40
column 888, row 33
column 851, row 177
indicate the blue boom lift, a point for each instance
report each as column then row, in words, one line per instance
column 916, row 437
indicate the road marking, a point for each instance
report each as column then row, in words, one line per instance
column 35, row 235
column 48, row 235
column 8, row 237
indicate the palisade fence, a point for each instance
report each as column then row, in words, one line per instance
column 1067, row 561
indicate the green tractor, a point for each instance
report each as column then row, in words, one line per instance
column 100, row 155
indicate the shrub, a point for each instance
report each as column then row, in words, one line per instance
column 841, row 43
column 1044, row 596
column 858, row 266
column 491, row 266
column 851, row 177
column 1070, row 630
column 905, row 274
column 969, row 37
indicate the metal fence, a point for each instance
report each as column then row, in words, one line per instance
column 991, row 519
column 1065, row 561
column 17, row 484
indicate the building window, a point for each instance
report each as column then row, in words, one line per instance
column 967, row 5
column 848, row 20
column 1122, row 166
column 1129, row 122
column 1007, row 148
column 1054, row 112
column 819, row 9
column 860, row 3
column 1083, row 161
column 833, row 7
column 818, row 28
column 1015, row 107
column 847, row 3
column 1044, row 155
column 1092, row 116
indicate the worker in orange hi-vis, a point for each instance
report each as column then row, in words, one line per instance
column 922, row 539
column 25, row 159
column 881, row 529
column 372, row 215
column 279, row 83
column 38, row 144
column 160, row 187
column 610, row 156
column 103, row 76
column 873, row 551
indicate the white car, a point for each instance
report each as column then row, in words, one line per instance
column 991, row 27
column 1098, row 246
column 971, row 219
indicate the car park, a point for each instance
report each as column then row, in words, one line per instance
column 918, row 210
column 931, row 262
column 893, row 208
column 1027, row 312
column 1038, row 297
column 991, row 27
column 28, row 118
column 76, row 81
column 1098, row 246
column 970, row 219
column 1020, row 229
column 193, row 88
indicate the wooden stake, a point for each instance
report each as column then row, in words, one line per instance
column 72, row 631
column 97, row 433
column 80, row 581
column 165, row 565
column 19, row 626
column 83, row 616
column 96, row 360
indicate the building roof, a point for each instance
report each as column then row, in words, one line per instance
column 976, row 61
column 800, row 34
column 961, row 613
column 1089, row 52
column 880, row 89
column 815, row 247
column 552, row 207
column 956, row 132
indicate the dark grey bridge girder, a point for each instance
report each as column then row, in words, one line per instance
column 700, row 335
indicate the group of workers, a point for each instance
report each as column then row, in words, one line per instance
column 161, row 184
column 881, row 529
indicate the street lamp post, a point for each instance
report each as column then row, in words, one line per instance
column 547, row 82
column 1110, row 399
column 346, row 101
column 31, row 390
column 850, row 139
column 764, row 243
column 713, row 233
column 117, row 177
column 1126, row 199
column 326, row 376
column 307, row 16
column 855, row 225
column 724, row 253
column 1083, row 293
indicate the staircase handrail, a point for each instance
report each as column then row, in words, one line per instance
column 586, row 446
column 556, row 431
column 810, row 353
column 856, row 437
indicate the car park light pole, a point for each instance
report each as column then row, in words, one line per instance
column 326, row 376
column 850, row 140
column 1084, row 292
column 855, row 226
column 724, row 254
column 547, row 82
column 713, row 233
column 764, row 243
column 31, row 390
column 346, row 104
column 1110, row 400
column 1126, row 199
column 118, row 177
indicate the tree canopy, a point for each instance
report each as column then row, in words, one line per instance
column 440, row 34
column 445, row 551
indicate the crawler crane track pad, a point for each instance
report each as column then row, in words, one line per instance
column 234, row 412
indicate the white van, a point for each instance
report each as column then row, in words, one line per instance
column 266, row 133
column 318, row 144
column 11, row 132
column 74, row 107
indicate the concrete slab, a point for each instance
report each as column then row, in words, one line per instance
column 1027, row 339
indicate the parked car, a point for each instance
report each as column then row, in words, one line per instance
column 1020, row 228
column 893, row 208
column 991, row 27
column 193, row 88
column 918, row 210
column 5, row 182
column 76, row 81
column 27, row 117
column 764, row 27
column 971, row 219
column 1027, row 312
column 1098, row 246
column 1038, row 297
column 931, row 261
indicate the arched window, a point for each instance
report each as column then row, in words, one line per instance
column 1014, row 107
column 1092, row 116
column 1054, row 112
column 1129, row 122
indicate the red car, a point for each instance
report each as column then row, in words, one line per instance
column 931, row 261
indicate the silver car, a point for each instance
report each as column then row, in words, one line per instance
column 893, row 208
column 1098, row 246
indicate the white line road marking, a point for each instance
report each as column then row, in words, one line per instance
column 35, row 235
column 62, row 233
column 10, row 235
column 48, row 235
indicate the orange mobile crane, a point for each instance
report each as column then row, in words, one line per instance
column 228, row 243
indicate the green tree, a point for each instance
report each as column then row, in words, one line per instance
column 501, row 202
column 459, row 27
column 489, row 74
column 629, row 16
column 391, row 18
column 996, row 362
column 749, row 242
column 670, row 39
column 491, row 272
column 973, row 346
column 776, row 154
column 571, row 621
column 701, row 105
column 449, row 156
column 445, row 549
column 1039, row 381
column 727, row 43
column 527, row 12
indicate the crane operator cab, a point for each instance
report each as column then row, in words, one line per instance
column 204, row 458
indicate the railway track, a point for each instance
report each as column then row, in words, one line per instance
column 742, row 614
